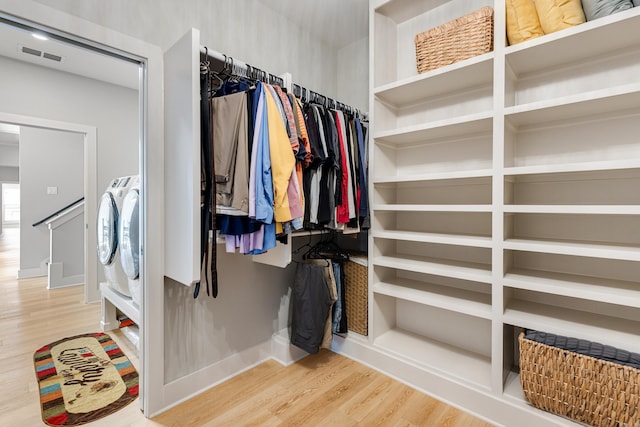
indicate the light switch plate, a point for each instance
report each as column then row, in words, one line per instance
column 52, row 190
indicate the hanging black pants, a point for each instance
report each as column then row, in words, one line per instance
column 310, row 303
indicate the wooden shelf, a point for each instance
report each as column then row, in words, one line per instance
column 575, row 209
column 441, row 238
column 627, row 253
column 431, row 208
column 449, row 298
column 400, row 11
column 456, row 128
column 583, row 105
column 439, row 267
column 461, row 76
column 573, row 167
column 122, row 303
column 592, row 39
column 553, row 162
column 620, row 333
column 590, row 288
column 456, row 362
column 435, row 176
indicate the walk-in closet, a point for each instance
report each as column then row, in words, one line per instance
column 361, row 212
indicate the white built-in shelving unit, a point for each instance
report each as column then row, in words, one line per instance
column 505, row 194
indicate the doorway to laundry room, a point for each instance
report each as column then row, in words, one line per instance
column 78, row 111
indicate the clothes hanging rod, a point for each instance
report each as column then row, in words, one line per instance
column 246, row 70
column 220, row 58
column 237, row 67
column 312, row 96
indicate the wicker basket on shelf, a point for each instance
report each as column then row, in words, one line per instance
column 460, row 39
column 590, row 390
column 356, row 295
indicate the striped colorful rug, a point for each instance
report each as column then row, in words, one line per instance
column 83, row 378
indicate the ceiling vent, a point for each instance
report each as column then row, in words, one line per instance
column 39, row 53
column 30, row 51
column 52, row 57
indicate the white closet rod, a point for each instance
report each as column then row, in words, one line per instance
column 242, row 68
column 238, row 67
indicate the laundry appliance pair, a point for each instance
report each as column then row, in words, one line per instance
column 118, row 232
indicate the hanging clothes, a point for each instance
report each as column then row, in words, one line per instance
column 231, row 158
column 339, row 320
column 311, row 302
column 308, row 153
column 363, row 194
column 208, row 254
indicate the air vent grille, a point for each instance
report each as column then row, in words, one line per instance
column 30, row 51
column 52, row 57
column 36, row 52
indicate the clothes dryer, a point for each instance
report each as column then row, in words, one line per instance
column 129, row 239
column 107, row 233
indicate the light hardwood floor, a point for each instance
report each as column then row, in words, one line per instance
column 321, row 390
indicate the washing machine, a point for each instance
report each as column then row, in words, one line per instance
column 129, row 239
column 107, row 233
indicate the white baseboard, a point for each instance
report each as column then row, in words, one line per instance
column 57, row 280
column 108, row 326
column 282, row 351
column 28, row 273
column 186, row 387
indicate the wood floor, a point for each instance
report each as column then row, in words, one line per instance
column 321, row 390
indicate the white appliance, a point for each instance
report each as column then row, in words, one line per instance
column 107, row 233
column 129, row 239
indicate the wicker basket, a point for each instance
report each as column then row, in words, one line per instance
column 593, row 391
column 462, row 38
column 356, row 295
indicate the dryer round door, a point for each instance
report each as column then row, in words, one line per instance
column 129, row 235
column 107, row 229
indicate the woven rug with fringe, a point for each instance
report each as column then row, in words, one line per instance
column 83, row 378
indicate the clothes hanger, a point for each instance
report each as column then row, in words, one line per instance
column 306, row 245
column 326, row 248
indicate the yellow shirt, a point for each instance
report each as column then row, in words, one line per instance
column 282, row 160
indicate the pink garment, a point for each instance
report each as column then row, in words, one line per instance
column 342, row 215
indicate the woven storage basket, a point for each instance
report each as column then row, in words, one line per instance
column 357, row 296
column 462, row 38
column 593, row 391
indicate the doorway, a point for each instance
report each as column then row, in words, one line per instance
column 10, row 205
column 88, row 135
column 115, row 135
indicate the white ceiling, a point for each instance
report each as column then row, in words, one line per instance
column 75, row 60
column 337, row 22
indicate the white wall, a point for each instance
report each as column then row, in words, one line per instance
column 35, row 91
column 8, row 161
column 245, row 29
column 8, row 155
column 9, row 174
column 353, row 74
column 48, row 158
column 68, row 252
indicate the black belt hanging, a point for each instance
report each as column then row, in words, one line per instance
column 207, row 211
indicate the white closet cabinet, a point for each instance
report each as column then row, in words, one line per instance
column 505, row 194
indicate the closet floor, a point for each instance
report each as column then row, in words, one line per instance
column 324, row 389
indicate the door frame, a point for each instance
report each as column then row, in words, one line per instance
column 151, row 145
column 89, row 133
